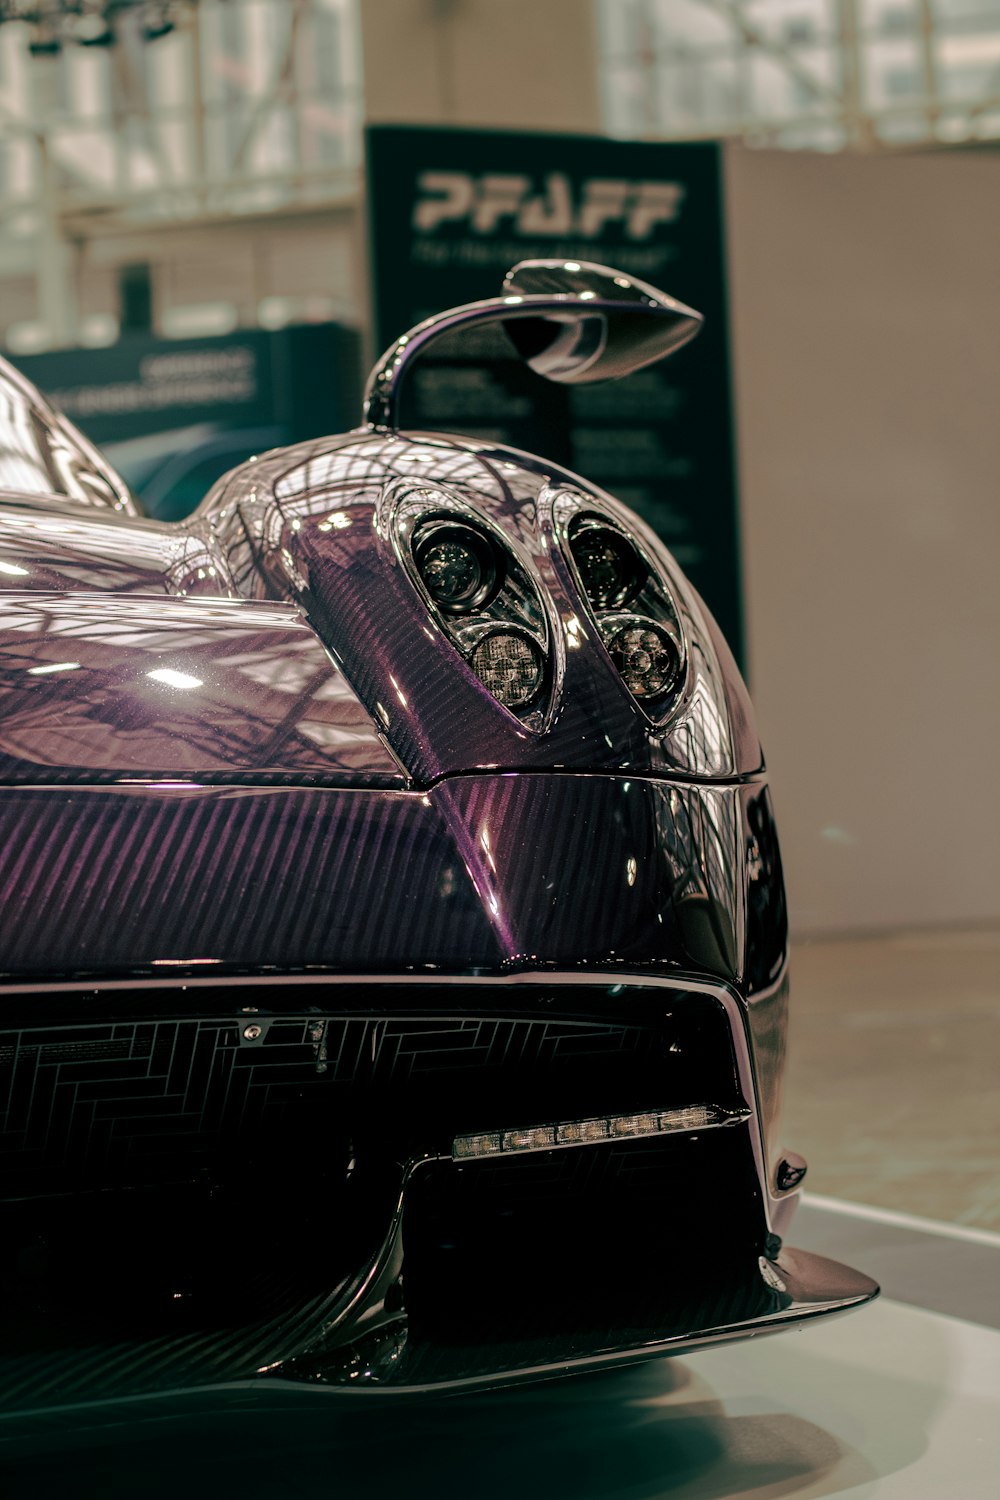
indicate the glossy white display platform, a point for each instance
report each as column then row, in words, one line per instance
column 892, row 1402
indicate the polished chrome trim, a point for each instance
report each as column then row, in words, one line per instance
column 383, row 388
column 672, row 776
column 561, row 506
column 700, row 697
column 404, row 506
column 527, row 978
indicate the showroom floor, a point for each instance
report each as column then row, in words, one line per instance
column 893, row 1092
column 893, row 1096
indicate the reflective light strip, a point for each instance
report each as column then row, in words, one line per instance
column 605, row 1128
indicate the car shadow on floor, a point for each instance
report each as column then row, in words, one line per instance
column 642, row 1432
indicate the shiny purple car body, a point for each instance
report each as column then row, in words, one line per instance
column 393, row 946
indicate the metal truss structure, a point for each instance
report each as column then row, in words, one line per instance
column 117, row 113
column 177, row 103
column 128, row 114
column 134, row 116
column 820, row 74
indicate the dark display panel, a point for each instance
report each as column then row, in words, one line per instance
column 450, row 212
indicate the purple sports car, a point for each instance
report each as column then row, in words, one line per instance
column 392, row 932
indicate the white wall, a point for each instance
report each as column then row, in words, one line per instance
column 866, row 319
column 526, row 64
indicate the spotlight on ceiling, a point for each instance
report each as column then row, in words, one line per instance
column 93, row 29
column 156, row 22
column 43, row 40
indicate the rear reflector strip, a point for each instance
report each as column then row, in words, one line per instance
column 589, row 1132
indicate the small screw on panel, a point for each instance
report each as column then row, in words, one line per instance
column 251, row 1033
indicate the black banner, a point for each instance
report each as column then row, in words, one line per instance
column 172, row 415
column 452, row 210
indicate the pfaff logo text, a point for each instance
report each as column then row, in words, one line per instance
column 510, row 201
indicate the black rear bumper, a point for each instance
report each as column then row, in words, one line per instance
column 214, row 1185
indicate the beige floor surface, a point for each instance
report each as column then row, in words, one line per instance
column 893, row 1086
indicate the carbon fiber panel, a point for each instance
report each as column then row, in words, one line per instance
column 481, row 873
column 103, row 686
column 119, row 879
column 512, row 1264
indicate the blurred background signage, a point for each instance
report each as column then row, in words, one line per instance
column 172, row 415
column 451, row 210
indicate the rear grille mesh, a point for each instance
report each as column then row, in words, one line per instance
column 188, row 1186
column 130, row 1102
